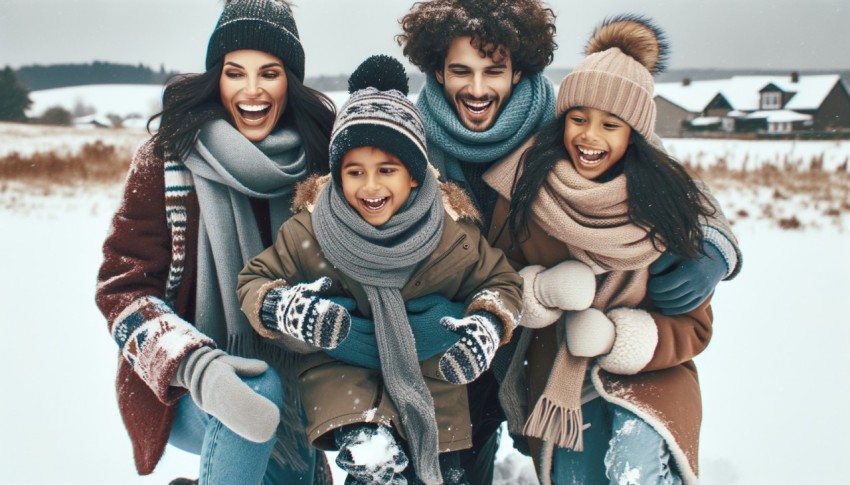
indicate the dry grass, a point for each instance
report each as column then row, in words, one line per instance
column 793, row 196
column 95, row 163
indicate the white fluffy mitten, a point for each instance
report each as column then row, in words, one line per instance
column 570, row 285
column 534, row 314
column 589, row 333
column 634, row 347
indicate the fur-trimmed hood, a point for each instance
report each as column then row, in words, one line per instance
column 457, row 203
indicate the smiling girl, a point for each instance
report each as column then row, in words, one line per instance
column 585, row 211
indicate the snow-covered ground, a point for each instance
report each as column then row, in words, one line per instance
column 774, row 378
column 25, row 140
column 102, row 99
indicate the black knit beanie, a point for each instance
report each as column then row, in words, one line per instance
column 263, row 25
column 378, row 113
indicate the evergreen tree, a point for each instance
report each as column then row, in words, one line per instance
column 14, row 97
column 56, row 115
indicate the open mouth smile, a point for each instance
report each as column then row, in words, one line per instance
column 374, row 205
column 590, row 157
column 254, row 112
column 477, row 107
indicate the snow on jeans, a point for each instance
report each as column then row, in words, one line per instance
column 619, row 448
column 226, row 457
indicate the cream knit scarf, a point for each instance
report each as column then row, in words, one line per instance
column 592, row 220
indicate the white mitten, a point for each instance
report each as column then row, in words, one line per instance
column 534, row 314
column 589, row 333
column 570, row 285
column 636, row 342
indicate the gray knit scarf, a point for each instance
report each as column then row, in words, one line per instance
column 382, row 259
column 228, row 169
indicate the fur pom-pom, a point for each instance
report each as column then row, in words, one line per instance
column 636, row 36
column 380, row 72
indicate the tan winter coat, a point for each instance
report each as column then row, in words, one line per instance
column 656, row 378
column 335, row 393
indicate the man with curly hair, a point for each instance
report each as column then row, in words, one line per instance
column 485, row 94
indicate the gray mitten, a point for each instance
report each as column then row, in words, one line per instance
column 212, row 378
column 298, row 311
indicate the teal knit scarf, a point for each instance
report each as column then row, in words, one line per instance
column 531, row 105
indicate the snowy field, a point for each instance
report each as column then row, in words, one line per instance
column 774, row 378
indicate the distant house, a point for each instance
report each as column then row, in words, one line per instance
column 795, row 105
column 92, row 121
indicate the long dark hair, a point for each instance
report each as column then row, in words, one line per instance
column 190, row 100
column 662, row 196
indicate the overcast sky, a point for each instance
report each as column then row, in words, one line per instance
column 338, row 34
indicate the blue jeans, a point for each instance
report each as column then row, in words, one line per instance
column 619, row 448
column 226, row 457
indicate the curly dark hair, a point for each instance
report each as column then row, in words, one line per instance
column 523, row 28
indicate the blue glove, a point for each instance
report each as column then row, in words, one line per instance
column 424, row 314
column 678, row 285
column 360, row 348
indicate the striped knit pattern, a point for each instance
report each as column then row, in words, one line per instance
column 153, row 338
column 178, row 185
column 385, row 119
column 722, row 243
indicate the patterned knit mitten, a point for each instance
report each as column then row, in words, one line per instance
column 298, row 311
column 370, row 454
column 471, row 356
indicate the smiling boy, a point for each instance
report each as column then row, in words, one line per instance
column 375, row 183
column 382, row 230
